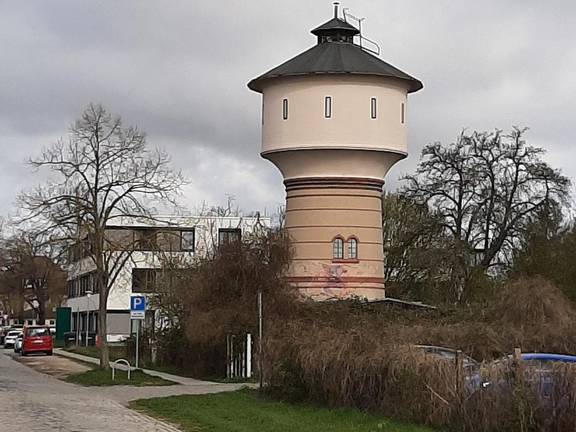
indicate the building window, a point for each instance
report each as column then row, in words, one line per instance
column 352, row 248
column 187, row 240
column 373, row 108
column 143, row 280
column 146, row 239
column 285, row 109
column 338, row 248
column 402, row 112
column 79, row 250
column 95, row 287
column 30, row 283
column 70, row 284
column 83, row 285
column 229, row 236
column 328, row 107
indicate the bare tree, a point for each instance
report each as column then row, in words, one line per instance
column 102, row 172
column 206, row 298
column 417, row 253
column 31, row 275
column 485, row 188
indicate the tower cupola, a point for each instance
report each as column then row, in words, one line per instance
column 335, row 30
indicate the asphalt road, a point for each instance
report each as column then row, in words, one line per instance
column 33, row 401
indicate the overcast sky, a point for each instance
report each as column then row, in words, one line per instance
column 178, row 70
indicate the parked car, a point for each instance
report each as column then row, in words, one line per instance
column 18, row 344
column 10, row 338
column 37, row 339
column 3, row 332
column 540, row 369
column 548, row 357
column 448, row 354
column 472, row 371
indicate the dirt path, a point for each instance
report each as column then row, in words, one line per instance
column 56, row 366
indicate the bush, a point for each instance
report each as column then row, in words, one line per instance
column 213, row 297
column 358, row 355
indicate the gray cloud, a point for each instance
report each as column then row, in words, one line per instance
column 179, row 70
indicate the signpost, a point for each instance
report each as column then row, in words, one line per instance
column 137, row 313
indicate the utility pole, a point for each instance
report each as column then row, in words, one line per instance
column 137, row 342
column 260, row 333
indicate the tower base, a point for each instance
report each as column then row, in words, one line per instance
column 318, row 212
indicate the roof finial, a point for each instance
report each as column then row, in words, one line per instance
column 336, row 4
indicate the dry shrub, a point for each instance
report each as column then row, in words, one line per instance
column 559, row 413
column 210, row 298
column 358, row 355
column 533, row 302
column 349, row 368
column 357, row 368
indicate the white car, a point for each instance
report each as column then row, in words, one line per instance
column 11, row 337
column 18, row 343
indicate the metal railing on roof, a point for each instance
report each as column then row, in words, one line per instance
column 375, row 47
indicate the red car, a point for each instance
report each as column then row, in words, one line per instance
column 37, row 339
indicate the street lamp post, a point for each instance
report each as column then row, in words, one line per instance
column 77, row 325
column 88, row 294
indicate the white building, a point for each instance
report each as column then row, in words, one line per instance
column 142, row 245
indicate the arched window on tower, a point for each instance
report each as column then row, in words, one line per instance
column 352, row 248
column 338, row 248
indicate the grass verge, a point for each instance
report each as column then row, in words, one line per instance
column 100, row 377
column 246, row 411
column 116, row 351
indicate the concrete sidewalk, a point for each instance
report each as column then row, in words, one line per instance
column 125, row 394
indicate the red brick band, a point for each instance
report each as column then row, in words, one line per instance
column 345, row 279
column 334, row 183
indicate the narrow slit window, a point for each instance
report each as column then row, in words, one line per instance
column 402, row 113
column 338, row 248
column 328, row 107
column 352, row 248
column 285, row 109
column 373, row 108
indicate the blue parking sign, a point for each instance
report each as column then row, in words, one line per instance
column 137, row 307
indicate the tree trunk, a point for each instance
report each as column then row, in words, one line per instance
column 102, row 333
column 41, row 312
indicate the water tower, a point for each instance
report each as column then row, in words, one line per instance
column 334, row 122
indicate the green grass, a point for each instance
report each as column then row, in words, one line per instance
column 58, row 344
column 116, row 351
column 101, row 377
column 119, row 352
column 238, row 380
column 245, row 411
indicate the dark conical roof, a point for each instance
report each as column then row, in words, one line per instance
column 335, row 54
column 335, row 24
